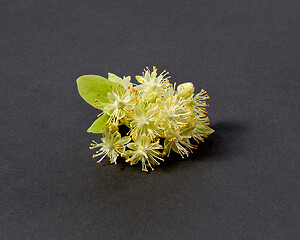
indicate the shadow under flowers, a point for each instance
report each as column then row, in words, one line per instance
column 217, row 147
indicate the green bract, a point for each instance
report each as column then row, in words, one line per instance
column 98, row 125
column 92, row 87
column 160, row 117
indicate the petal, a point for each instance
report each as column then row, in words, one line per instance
column 111, row 97
column 127, row 79
column 147, row 76
column 125, row 140
column 132, row 146
column 114, row 78
column 153, row 74
column 140, row 79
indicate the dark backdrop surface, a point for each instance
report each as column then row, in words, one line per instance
column 242, row 183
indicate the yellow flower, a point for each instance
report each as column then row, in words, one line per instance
column 113, row 145
column 172, row 113
column 145, row 151
column 143, row 121
column 119, row 104
column 178, row 143
column 152, row 85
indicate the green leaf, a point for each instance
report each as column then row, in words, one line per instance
column 97, row 126
column 92, row 87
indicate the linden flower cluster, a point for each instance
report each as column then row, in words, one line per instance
column 159, row 116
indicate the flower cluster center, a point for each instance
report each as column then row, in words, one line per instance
column 119, row 104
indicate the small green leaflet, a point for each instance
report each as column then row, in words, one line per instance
column 97, row 126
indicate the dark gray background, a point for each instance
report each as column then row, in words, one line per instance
column 243, row 183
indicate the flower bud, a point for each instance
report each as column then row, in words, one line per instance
column 185, row 90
